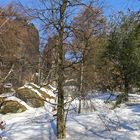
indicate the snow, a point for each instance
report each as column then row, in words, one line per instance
column 47, row 91
column 49, row 107
column 122, row 123
column 33, row 124
column 7, row 94
column 34, row 85
column 53, row 88
column 34, row 90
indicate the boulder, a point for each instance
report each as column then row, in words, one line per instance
column 11, row 106
column 1, row 101
column 45, row 92
column 29, row 96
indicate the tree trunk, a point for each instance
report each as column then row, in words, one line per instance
column 20, row 76
column 126, row 89
column 60, row 106
column 80, row 106
column 39, row 71
column 61, row 134
column 81, row 87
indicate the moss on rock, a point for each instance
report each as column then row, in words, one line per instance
column 1, row 100
column 44, row 94
column 11, row 106
column 30, row 97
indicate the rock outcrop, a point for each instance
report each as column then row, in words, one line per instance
column 34, row 95
column 19, row 51
column 11, row 106
column 30, row 97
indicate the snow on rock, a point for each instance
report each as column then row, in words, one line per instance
column 43, row 92
column 34, row 90
column 9, row 94
column 18, row 100
column 53, row 88
column 37, row 88
column 49, row 92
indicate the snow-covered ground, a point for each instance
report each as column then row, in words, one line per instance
column 122, row 123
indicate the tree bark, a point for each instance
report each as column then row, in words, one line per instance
column 60, row 107
column 126, row 89
column 81, row 87
column 39, row 71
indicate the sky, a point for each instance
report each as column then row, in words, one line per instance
column 121, row 5
column 110, row 5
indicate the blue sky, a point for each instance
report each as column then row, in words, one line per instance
column 121, row 5
column 110, row 5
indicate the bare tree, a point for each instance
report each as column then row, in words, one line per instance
column 89, row 25
column 57, row 19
